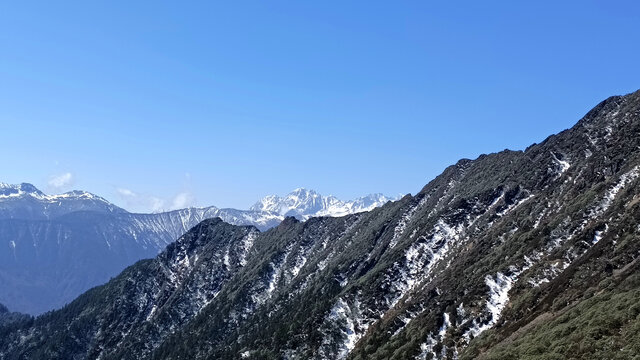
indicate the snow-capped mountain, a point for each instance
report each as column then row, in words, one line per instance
column 303, row 204
column 25, row 201
column 54, row 247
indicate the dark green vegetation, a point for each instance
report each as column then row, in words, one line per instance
column 520, row 254
column 603, row 324
column 8, row 318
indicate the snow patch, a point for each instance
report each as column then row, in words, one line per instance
column 514, row 205
column 351, row 326
column 611, row 194
column 246, row 245
column 499, row 287
column 428, row 347
column 420, row 258
column 406, row 218
column 598, row 235
column 563, row 165
column 227, row 259
column 300, row 262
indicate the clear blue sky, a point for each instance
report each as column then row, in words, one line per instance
column 220, row 103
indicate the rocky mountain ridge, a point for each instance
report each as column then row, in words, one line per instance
column 54, row 247
column 518, row 254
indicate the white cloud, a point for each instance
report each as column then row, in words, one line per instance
column 58, row 182
column 144, row 203
column 183, row 200
column 156, row 204
column 125, row 192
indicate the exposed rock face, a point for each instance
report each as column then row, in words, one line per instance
column 506, row 256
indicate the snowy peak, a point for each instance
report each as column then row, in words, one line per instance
column 372, row 200
column 26, row 189
column 303, row 204
column 82, row 195
column 25, row 201
column 16, row 190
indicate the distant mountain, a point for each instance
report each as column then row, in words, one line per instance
column 54, row 247
column 529, row 254
column 25, row 201
column 303, row 204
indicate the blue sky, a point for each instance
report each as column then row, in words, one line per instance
column 155, row 105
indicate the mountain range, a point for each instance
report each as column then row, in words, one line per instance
column 25, row 201
column 514, row 255
column 303, row 204
column 55, row 247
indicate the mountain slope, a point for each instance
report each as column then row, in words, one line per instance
column 477, row 247
column 149, row 290
column 505, row 256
